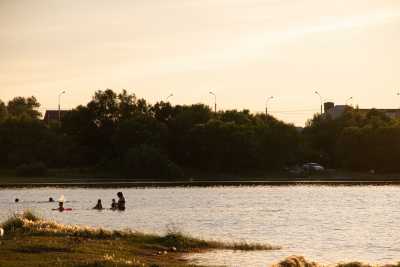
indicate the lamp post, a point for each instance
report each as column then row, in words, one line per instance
column 215, row 101
column 320, row 98
column 170, row 95
column 348, row 99
column 59, row 105
column 266, row 104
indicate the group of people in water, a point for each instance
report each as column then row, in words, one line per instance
column 120, row 205
column 115, row 205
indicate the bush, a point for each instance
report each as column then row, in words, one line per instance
column 295, row 261
column 15, row 222
column 145, row 161
column 32, row 169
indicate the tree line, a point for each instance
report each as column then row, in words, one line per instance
column 359, row 140
column 124, row 134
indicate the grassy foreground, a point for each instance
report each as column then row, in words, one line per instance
column 31, row 241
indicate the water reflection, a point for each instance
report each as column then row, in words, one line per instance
column 327, row 224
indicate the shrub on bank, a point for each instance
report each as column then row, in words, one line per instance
column 32, row 169
column 295, row 261
column 300, row 261
column 15, row 222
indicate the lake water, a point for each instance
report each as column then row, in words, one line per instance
column 327, row 224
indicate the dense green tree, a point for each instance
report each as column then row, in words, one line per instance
column 357, row 140
column 26, row 140
column 183, row 119
column 24, row 106
column 278, row 145
column 163, row 111
column 147, row 162
column 80, row 128
column 129, row 105
column 237, row 117
column 218, row 145
column 126, row 135
column 3, row 111
column 104, row 107
column 140, row 129
column 370, row 148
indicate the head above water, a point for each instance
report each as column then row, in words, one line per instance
column 16, row 200
column 61, row 199
column 51, row 199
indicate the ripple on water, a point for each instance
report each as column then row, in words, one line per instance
column 324, row 223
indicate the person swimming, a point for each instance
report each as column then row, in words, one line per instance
column 121, row 201
column 98, row 206
column 114, row 204
column 16, row 200
column 61, row 206
column 51, row 199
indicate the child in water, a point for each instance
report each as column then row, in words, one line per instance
column 114, row 204
column 98, row 206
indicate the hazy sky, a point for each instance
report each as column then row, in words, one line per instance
column 243, row 50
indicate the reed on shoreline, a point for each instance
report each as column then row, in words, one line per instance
column 30, row 224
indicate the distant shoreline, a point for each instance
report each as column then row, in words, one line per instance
column 96, row 178
column 141, row 184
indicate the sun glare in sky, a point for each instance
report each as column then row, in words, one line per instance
column 243, row 50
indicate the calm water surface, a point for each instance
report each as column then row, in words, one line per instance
column 327, row 224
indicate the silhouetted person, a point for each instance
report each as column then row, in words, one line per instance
column 16, row 200
column 98, row 206
column 61, row 206
column 51, row 199
column 114, row 204
column 121, row 201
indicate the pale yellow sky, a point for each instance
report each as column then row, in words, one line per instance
column 243, row 50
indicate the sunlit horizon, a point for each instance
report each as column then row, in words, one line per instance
column 243, row 51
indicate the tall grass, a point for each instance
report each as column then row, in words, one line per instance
column 299, row 261
column 15, row 222
column 295, row 261
column 29, row 223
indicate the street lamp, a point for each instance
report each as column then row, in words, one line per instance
column 215, row 101
column 266, row 104
column 170, row 95
column 320, row 98
column 59, row 105
column 348, row 99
